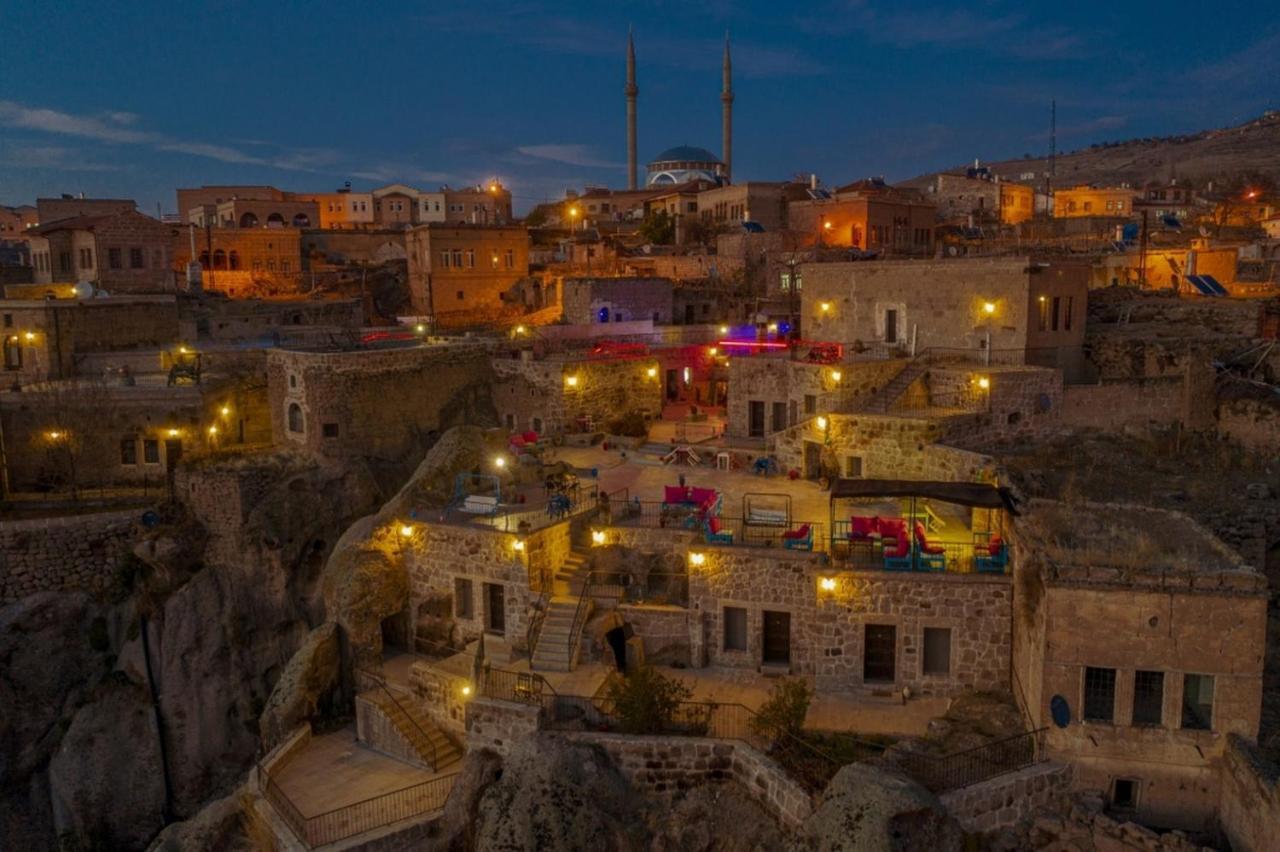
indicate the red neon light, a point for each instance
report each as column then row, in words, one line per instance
column 756, row 344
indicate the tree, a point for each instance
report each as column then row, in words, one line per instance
column 659, row 228
column 784, row 712
column 645, row 701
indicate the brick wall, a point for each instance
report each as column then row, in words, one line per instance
column 1006, row 800
column 74, row 553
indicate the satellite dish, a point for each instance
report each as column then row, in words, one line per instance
column 150, row 519
column 1060, row 710
column 83, row 290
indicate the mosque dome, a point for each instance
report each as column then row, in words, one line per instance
column 684, row 163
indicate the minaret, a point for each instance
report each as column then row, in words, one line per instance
column 631, row 91
column 726, row 114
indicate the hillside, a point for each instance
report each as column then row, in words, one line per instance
column 1194, row 158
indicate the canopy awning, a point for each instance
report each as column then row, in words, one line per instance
column 977, row 494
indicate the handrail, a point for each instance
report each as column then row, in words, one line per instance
column 535, row 624
column 941, row 773
column 580, row 616
column 381, row 682
column 282, row 803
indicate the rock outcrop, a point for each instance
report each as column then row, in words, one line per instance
column 307, row 682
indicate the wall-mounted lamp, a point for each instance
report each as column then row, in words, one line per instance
column 989, row 307
column 406, row 530
column 824, row 307
column 597, row 537
column 836, row 375
column 827, row 584
column 571, row 381
column 821, row 423
column 984, row 382
column 652, row 372
column 697, row 559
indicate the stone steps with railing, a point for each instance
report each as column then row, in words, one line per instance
column 881, row 401
column 421, row 737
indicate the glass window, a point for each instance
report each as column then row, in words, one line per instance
column 735, row 629
column 1099, row 694
column 444, row 259
column 810, row 404
column 136, row 259
column 129, row 451
column 12, row 353
column 937, row 651
column 1148, row 698
column 151, row 451
column 1197, row 702
column 1066, row 317
column 463, row 603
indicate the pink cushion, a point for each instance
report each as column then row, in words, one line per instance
column 530, row 437
column 901, row 547
column 860, row 527
column 714, row 525
column 802, row 532
column 702, row 496
column 674, row 493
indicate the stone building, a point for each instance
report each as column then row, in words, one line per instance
column 891, row 223
column 477, row 205
column 15, row 221
column 459, row 274
column 1008, row 305
column 761, row 202
column 341, row 210
column 601, row 300
column 1138, row 642
column 120, row 252
column 286, row 212
column 566, row 393
column 66, row 206
column 1082, row 201
column 189, row 199
column 1017, row 202
column 382, row 403
column 242, row 262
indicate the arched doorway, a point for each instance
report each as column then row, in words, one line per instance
column 275, row 220
column 302, row 220
column 249, row 220
column 617, row 639
column 295, row 417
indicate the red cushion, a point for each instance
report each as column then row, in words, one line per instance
column 530, row 436
column 995, row 545
column 673, row 493
column 714, row 525
column 860, row 527
column 702, row 496
column 901, row 548
column 894, row 528
column 802, row 532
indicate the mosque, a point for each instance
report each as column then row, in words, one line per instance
column 684, row 162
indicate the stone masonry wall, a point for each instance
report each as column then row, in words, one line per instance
column 799, row 386
column 498, row 725
column 888, row 446
column 376, row 731
column 666, row 766
column 439, row 694
column 78, row 552
column 1115, row 405
column 1251, row 423
column 1006, row 800
column 533, row 394
column 1249, row 798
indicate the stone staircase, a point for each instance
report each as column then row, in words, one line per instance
column 882, row 401
column 553, row 652
column 417, row 733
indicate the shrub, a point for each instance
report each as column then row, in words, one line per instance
column 629, row 425
column 645, row 701
column 784, row 711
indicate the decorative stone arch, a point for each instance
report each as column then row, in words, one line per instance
column 301, row 220
column 294, row 420
column 249, row 220
column 275, row 220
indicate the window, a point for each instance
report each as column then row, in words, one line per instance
column 1057, row 304
column 1099, row 694
column 1197, row 702
column 329, row 430
column 295, row 417
column 735, row 628
column 785, row 283
column 779, row 417
column 444, row 259
column 1066, row 318
column 463, row 602
column 937, row 651
column 890, row 326
column 1148, row 698
column 1124, row 794
column 64, row 261
column 129, row 451
column 151, row 451
column 86, row 258
column 1044, row 314
column 471, row 258
column 457, row 258
column 136, row 260
column 8, row 320
column 810, row 404
column 509, row 259
column 460, row 296
column 113, row 259
column 12, row 353
column 293, row 380
column 853, row 466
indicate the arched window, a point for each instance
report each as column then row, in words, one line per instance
column 302, row 220
column 219, row 259
column 204, row 259
column 275, row 220
column 233, row 259
column 249, row 220
column 295, row 417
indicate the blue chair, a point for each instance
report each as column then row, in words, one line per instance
column 996, row 564
column 716, row 535
column 800, row 539
column 558, row 506
column 898, row 559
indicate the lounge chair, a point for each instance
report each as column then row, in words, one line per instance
column 932, row 557
column 800, row 538
column 862, row 528
column 898, row 556
column 995, row 560
column 717, row 534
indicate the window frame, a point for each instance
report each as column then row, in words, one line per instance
column 1145, row 701
column 1213, row 686
column 1095, row 691
column 925, row 669
column 737, row 646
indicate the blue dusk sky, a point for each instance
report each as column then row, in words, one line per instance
column 132, row 99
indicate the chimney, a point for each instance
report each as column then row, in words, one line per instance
column 813, row 181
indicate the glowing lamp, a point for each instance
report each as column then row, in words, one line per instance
column 822, row 423
column 420, row 328
column 499, row 462
column 518, row 545
column 597, row 536
column 1042, row 298
column 183, row 350
column 571, row 381
column 724, row 329
column 405, row 530
column 989, row 307
column 520, row 329
column 697, row 558
column 773, row 327
column 826, row 226
column 54, row 436
column 466, row 690
column 688, row 375
column 652, row 372
column 824, row 307
column 712, row 351
column 213, row 430
column 836, row 375
column 984, row 382
column 225, row 411
column 30, row 335
column 173, row 433
column 828, row 584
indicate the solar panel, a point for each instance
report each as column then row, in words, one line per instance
column 1200, row 285
column 1172, row 222
column 1214, row 285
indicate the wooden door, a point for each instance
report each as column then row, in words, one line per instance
column 880, row 651
column 495, row 608
column 777, row 638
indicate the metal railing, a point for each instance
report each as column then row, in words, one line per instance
column 526, row 517
column 519, row 687
column 580, row 618
column 940, row 773
column 358, row 817
column 379, row 682
column 653, row 514
column 954, row 558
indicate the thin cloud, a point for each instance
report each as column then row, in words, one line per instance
column 1102, row 122
column 52, row 157
column 571, row 155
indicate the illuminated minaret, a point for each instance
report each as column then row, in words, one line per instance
column 631, row 90
column 726, row 114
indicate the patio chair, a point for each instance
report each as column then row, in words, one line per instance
column 717, row 534
column 898, row 556
column 798, row 539
column 863, row 528
column 674, row 496
column 932, row 557
column 996, row 558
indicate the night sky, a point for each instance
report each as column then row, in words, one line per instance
column 133, row 99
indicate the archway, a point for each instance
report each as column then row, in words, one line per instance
column 295, row 417
column 233, row 259
column 617, row 639
column 219, row 259
column 302, row 220
column 249, row 220
column 275, row 220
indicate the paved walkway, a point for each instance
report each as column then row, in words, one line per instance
column 334, row 770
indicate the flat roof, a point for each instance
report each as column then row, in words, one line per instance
column 977, row 494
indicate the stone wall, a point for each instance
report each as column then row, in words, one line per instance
column 1249, row 798
column 663, row 630
column 439, row 695
column 882, row 446
column 375, row 730
column 1010, row 799
column 498, row 725
column 1019, row 402
column 1116, row 405
column 1253, row 424
column 552, row 395
column 801, row 388
column 621, row 299
column 76, row 552
column 667, row 766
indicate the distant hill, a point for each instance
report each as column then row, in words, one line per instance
column 1193, row 158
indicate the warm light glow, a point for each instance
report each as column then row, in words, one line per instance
column 824, row 307
column 688, row 375
column 30, row 335
column 652, row 372
column 822, row 423
column 571, row 381
column 517, row 545
column 405, row 530
column 597, row 536
column 724, row 329
column 697, row 558
column 835, row 375
column 826, row 226
column 54, row 436
column 493, row 187
column 420, row 328
column 466, row 690
column 1042, row 298
column 989, row 307
column 225, row 411
column 573, row 212
column 773, row 327
column 712, row 351
column 173, row 433
column 184, row 350
column 499, row 462
column 984, row 382
column 828, row 584
column 213, row 430
column 520, row 329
